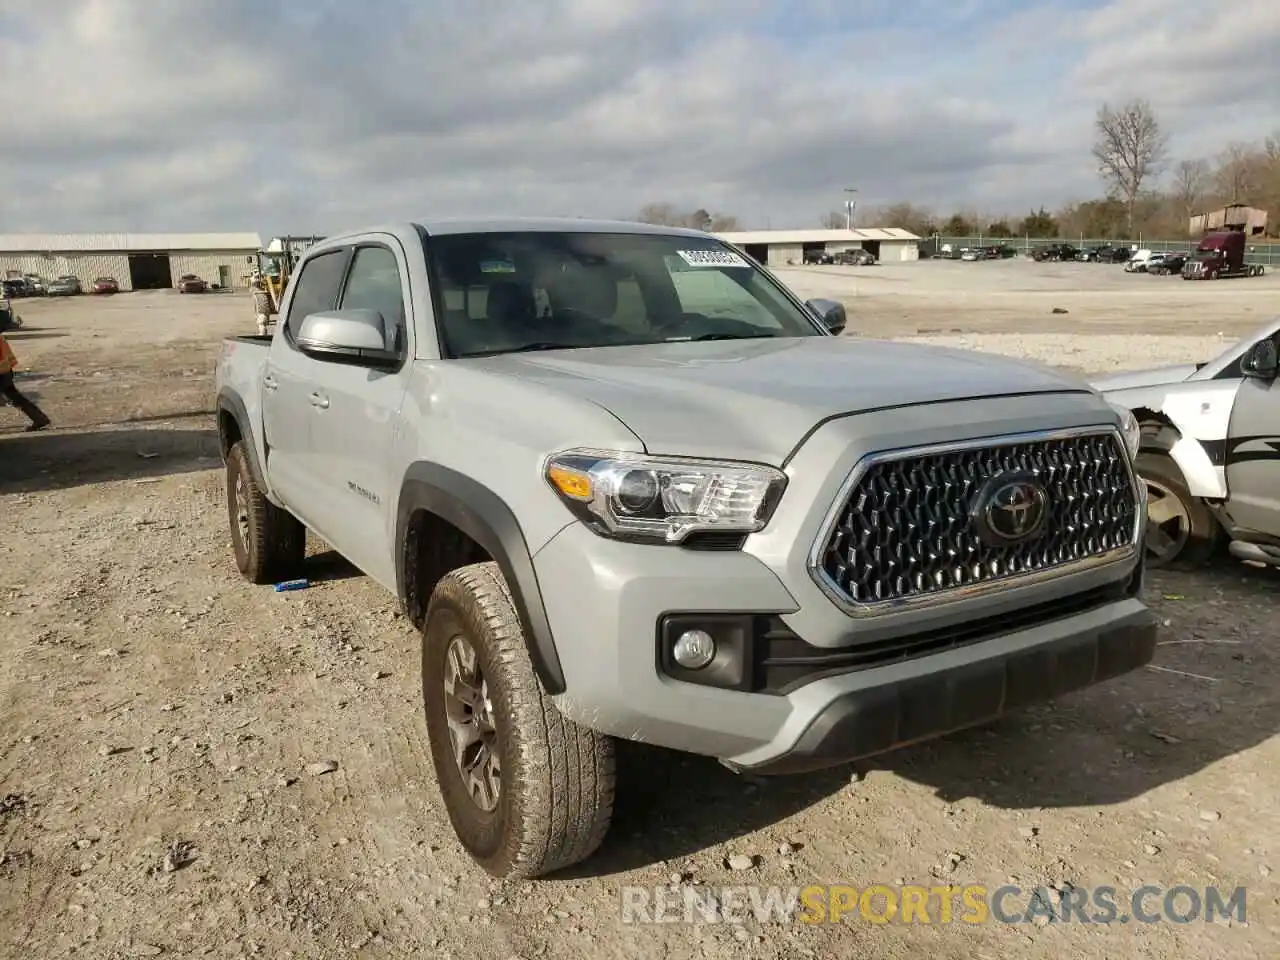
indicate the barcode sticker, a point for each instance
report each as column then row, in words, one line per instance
column 711, row 258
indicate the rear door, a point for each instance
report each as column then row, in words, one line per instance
column 287, row 404
column 357, row 417
column 1253, row 456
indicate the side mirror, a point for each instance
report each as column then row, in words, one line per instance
column 1262, row 362
column 355, row 336
column 830, row 313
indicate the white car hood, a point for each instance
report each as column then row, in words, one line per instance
column 1153, row 377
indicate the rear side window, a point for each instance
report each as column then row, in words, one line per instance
column 316, row 288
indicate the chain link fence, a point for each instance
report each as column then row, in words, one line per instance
column 1258, row 251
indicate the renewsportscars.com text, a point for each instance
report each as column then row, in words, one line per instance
column 911, row 904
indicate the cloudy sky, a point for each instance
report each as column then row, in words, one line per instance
column 313, row 115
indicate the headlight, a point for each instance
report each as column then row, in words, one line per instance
column 631, row 496
column 1130, row 429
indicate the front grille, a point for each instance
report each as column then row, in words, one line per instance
column 907, row 529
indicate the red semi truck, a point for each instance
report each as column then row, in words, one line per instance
column 1218, row 257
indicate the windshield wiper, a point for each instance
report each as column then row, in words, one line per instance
column 543, row 345
column 724, row 336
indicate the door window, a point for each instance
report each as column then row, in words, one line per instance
column 374, row 284
column 315, row 288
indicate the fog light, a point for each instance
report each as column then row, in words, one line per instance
column 694, row 649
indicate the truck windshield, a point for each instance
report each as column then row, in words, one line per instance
column 511, row 292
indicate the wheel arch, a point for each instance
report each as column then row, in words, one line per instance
column 431, row 493
column 233, row 427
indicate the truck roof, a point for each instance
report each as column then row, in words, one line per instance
column 443, row 226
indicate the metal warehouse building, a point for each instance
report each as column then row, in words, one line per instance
column 779, row 248
column 137, row 261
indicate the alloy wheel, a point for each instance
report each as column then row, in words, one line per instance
column 242, row 510
column 1168, row 523
column 472, row 728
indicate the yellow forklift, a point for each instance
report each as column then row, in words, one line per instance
column 275, row 265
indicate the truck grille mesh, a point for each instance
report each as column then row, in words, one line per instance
column 905, row 529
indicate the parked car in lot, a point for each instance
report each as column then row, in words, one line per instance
column 1210, row 452
column 1169, row 264
column 591, row 525
column 1000, row 251
column 106, row 285
column 65, row 286
column 190, row 283
column 854, row 258
column 14, row 288
column 1105, row 253
column 1138, row 262
column 971, row 254
column 1154, row 261
column 1054, row 251
column 35, row 284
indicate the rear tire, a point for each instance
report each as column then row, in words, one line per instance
column 1182, row 533
column 527, row 791
column 270, row 544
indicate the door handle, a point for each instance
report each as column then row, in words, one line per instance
column 319, row 400
column 269, row 382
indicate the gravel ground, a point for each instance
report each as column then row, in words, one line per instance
column 160, row 720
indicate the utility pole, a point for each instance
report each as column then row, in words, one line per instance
column 849, row 206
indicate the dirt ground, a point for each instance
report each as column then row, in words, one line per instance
column 158, row 715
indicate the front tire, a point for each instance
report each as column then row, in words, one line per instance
column 1181, row 531
column 527, row 791
column 270, row 544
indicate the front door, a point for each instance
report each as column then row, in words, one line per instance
column 288, row 410
column 224, row 276
column 357, row 415
column 1253, row 457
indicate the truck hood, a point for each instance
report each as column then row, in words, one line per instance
column 756, row 399
column 1154, row 377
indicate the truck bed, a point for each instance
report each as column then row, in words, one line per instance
column 239, row 385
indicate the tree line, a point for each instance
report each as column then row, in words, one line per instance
column 1146, row 191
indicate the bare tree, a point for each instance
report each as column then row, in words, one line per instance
column 1130, row 148
column 700, row 219
column 1238, row 170
column 667, row 215
column 905, row 215
column 1190, row 184
column 835, row 220
column 661, row 214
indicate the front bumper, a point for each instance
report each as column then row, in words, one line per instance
column 873, row 720
column 606, row 601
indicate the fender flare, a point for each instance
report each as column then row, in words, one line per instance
column 484, row 517
column 230, row 403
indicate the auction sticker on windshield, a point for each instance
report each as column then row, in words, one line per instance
column 711, row 258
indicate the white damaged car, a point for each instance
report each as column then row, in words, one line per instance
column 1210, row 451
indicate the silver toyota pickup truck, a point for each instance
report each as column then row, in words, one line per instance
column 627, row 485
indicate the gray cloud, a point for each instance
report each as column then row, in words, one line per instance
column 210, row 114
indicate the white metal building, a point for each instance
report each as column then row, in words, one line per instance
column 137, row 261
column 780, row 248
